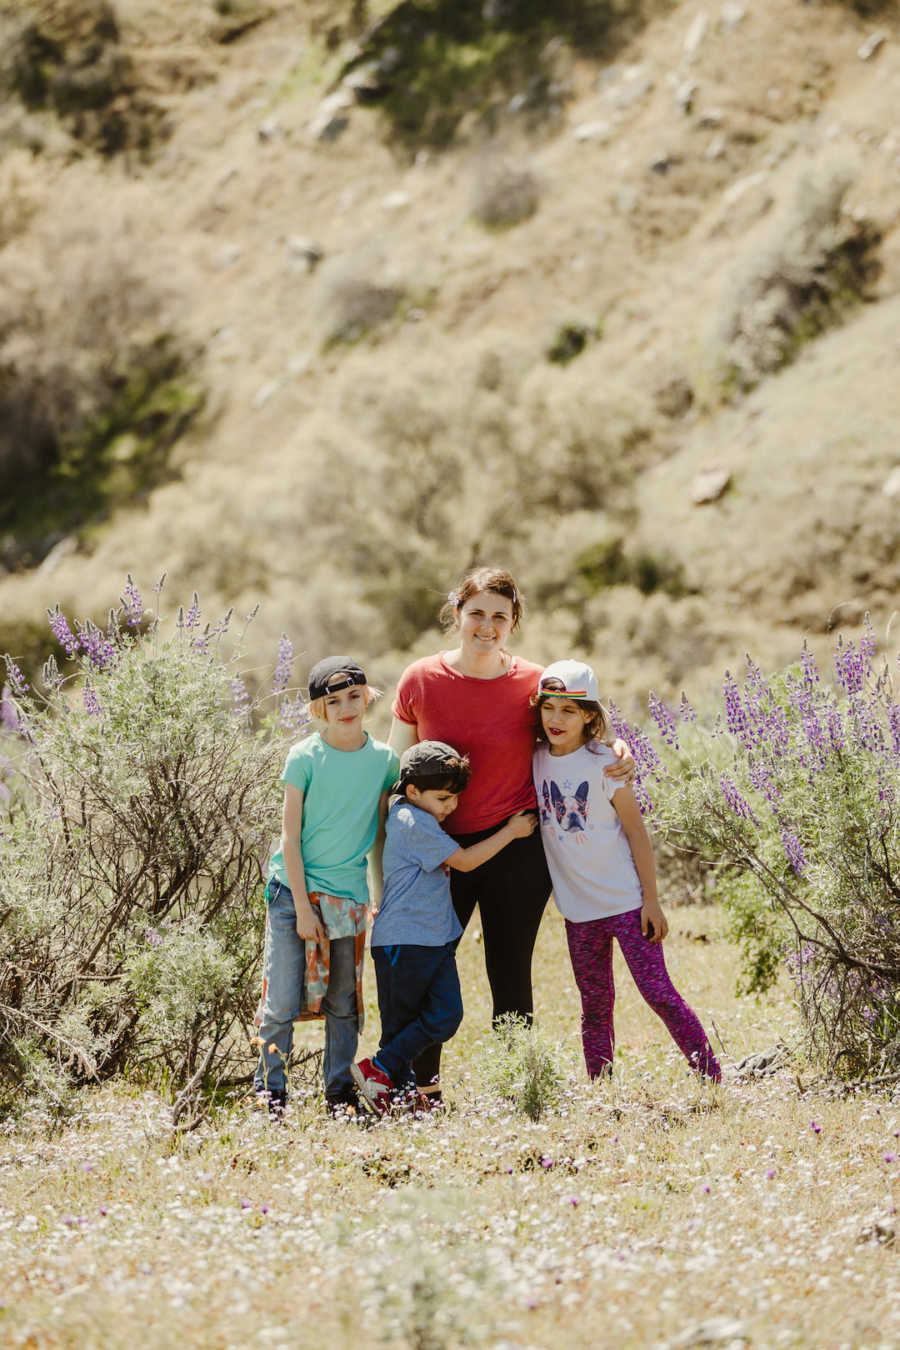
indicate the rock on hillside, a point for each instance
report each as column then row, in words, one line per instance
column 713, row 196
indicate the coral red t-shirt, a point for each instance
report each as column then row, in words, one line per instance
column 491, row 721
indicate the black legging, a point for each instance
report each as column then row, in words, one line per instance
column 511, row 891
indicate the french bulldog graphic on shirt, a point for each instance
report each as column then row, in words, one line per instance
column 567, row 804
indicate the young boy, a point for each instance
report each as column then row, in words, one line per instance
column 335, row 801
column 416, row 930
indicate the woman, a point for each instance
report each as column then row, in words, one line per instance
column 477, row 697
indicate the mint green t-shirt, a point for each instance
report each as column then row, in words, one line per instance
column 341, row 790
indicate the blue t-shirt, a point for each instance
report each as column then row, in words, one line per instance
column 341, row 791
column 416, row 907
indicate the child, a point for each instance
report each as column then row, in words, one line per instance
column 601, row 863
column 416, row 930
column 335, row 801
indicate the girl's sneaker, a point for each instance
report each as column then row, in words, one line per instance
column 375, row 1088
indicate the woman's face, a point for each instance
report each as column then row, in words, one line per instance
column 485, row 622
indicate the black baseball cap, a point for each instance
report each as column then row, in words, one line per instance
column 332, row 674
column 425, row 760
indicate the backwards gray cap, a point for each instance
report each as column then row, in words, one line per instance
column 426, row 759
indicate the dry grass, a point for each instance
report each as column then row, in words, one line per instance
column 631, row 1215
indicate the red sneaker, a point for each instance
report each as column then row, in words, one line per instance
column 375, row 1088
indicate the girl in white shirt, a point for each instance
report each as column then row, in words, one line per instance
column 601, row 865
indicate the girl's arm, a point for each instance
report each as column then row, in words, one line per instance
column 375, row 857
column 519, row 826
column 308, row 925
column 403, row 735
column 629, row 814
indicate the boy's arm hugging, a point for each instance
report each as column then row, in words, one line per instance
column 519, row 826
column 309, row 926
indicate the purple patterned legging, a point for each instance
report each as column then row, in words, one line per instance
column 590, row 947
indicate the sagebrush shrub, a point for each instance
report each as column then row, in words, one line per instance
column 794, row 793
column 812, row 266
column 522, row 1067
column 140, row 802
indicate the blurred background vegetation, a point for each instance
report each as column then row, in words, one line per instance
column 319, row 304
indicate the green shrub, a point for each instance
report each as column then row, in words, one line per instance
column 437, row 61
column 794, row 793
column 812, row 267
column 519, row 1065
column 96, row 384
column 140, row 804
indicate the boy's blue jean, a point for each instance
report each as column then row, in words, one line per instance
column 284, row 972
column 420, row 1003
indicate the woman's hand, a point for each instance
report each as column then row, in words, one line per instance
column 522, row 824
column 309, row 925
column 654, row 924
column 623, row 769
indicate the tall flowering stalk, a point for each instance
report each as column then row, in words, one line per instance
column 792, row 790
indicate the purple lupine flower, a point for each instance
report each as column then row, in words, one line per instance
column 9, row 713
column 283, row 668
column 664, row 718
column 849, row 666
column 17, row 682
column 59, row 627
column 799, row 696
column 192, row 618
column 815, row 736
column 893, row 714
column 835, row 729
column 240, row 699
column 760, row 779
column 160, row 583
column 293, row 715
column 794, row 851
column 685, row 712
column 99, row 651
column 92, row 704
column 886, row 793
column 810, row 669
column 867, row 642
column 735, row 714
column 646, row 760
column 642, row 797
column 153, row 937
column 132, row 603
column 774, row 725
column 732, row 794
column 866, row 726
column 222, row 625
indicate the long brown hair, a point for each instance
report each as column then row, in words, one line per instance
column 494, row 579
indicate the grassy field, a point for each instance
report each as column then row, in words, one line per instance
column 647, row 1212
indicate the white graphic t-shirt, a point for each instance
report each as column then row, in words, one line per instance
column 587, row 849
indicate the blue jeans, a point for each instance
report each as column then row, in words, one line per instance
column 284, row 970
column 420, row 1003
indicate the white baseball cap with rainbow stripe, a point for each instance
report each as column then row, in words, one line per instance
column 572, row 679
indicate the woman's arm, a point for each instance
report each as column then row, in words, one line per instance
column 623, row 769
column 402, row 735
column 308, row 925
column 629, row 814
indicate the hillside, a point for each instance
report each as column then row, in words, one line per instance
column 317, row 304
